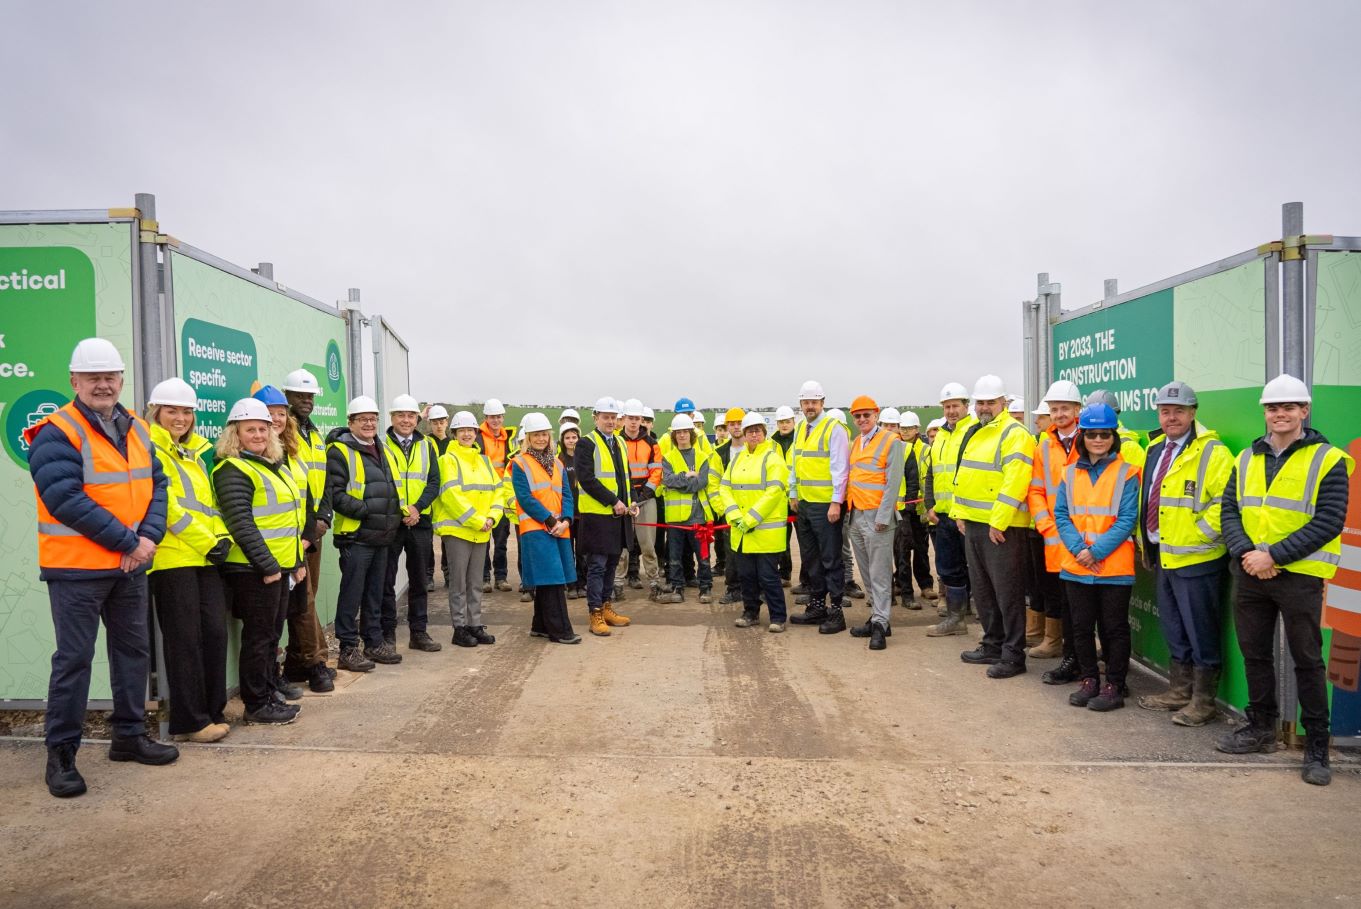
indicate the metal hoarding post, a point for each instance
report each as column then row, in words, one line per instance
column 354, row 327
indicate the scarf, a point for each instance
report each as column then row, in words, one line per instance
column 545, row 458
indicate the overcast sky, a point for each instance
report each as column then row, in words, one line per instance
column 556, row 200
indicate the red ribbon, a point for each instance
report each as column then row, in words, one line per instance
column 704, row 533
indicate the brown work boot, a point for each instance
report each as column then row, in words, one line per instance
column 929, row 593
column 1202, row 709
column 1178, row 693
column 598, row 626
column 1052, row 646
column 1034, row 627
column 611, row 617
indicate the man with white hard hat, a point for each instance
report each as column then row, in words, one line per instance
column 952, row 565
column 437, row 418
column 498, row 445
column 361, row 481
column 101, row 500
column 418, row 483
column 913, row 541
column 569, row 415
column 1284, row 510
column 783, row 436
column 603, row 511
column 817, row 483
column 645, row 479
column 1041, row 415
column 989, row 508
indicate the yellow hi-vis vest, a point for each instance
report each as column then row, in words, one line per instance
column 677, row 506
column 411, row 473
column 312, row 452
column 755, row 486
column 993, row 476
column 944, row 458
column 1270, row 514
column 604, row 472
column 471, row 490
column 1131, row 448
column 1189, row 502
column 279, row 510
column 354, row 488
column 813, row 461
column 193, row 525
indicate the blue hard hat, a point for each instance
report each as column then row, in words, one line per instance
column 270, row 396
column 685, row 405
column 1097, row 416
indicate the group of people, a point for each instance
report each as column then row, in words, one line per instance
column 1039, row 534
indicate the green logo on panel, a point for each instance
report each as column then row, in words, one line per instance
column 219, row 362
column 333, row 370
column 30, row 410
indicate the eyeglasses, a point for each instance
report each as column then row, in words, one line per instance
column 1098, row 434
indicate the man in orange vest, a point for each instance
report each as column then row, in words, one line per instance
column 645, row 478
column 101, row 511
column 496, row 444
column 876, row 462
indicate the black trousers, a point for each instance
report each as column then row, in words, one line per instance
column 261, row 608
column 415, row 542
column 360, row 600
column 191, row 609
column 759, row 574
column 820, row 550
column 550, row 611
column 997, row 580
column 1104, row 607
column 786, row 560
column 1298, row 600
column 684, row 548
column 921, row 556
column 495, row 562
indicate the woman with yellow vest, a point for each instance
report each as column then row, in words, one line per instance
column 754, row 494
column 543, row 498
column 264, row 512
column 470, row 504
column 1096, row 507
column 689, row 480
column 191, row 604
column 1283, row 513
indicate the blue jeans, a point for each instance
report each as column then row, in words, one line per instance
column 600, row 578
column 820, row 549
column 952, row 566
column 77, row 608
column 681, row 547
column 1188, row 612
column 363, row 569
column 759, row 573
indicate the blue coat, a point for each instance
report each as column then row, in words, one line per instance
column 1107, row 542
column 544, row 559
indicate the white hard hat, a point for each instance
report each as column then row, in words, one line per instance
column 535, row 422
column 463, row 420
column 698, row 417
column 437, row 412
column 570, row 415
column 175, row 392
column 633, row 408
column 1285, row 389
column 606, row 405
column 784, row 412
column 248, row 409
column 681, row 421
column 836, row 413
column 910, row 418
column 753, row 419
column 811, row 391
column 937, row 423
column 648, row 414
column 1063, row 391
column 989, row 388
column 1042, row 410
column 361, row 404
column 1016, row 405
column 404, row 404
column 891, row 416
column 303, row 381
column 953, row 391
column 96, row 355
column 493, row 408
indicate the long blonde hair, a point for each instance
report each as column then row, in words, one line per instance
column 289, row 438
column 229, row 445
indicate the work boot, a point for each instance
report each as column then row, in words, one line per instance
column 390, row 638
column 1178, row 693
column 429, row 586
column 878, row 633
column 729, row 597
column 1089, row 689
column 384, row 653
column 526, row 596
column 835, row 621
column 815, row 614
column 929, row 593
column 1066, row 671
column 296, row 673
column 463, row 637
column 320, row 680
column 673, row 596
column 352, row 659
column 1257, row 734
column 1034, row 627
column 705, row 597
column 502, row 584
column 1052, row 645
column 486, row 587
column 1005, row 669
column 803, row 599
column 784, row 582
column 421, row 640
column 911, row 603
column 273, row 715
column 598, row 626
column 635, row 583
column 63, row 779
column 854, row 591
column 692, row 582
column 1315, row 771
column 480, row 635
column 867, row 630
column 955, row 605
column 611, row 617
column 981, row 656
column 747, row 619
column 798, row 590
column 143, row 749
column 617, row 595
column 289, row 690
column 1202, row 709
column 775, row 628
column 1110, row 698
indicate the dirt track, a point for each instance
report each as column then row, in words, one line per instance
column 684, row 762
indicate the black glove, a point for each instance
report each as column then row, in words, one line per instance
column 218, row 554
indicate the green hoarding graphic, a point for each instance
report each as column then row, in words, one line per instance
column 59, row 283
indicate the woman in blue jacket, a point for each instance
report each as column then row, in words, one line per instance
column 543, row 496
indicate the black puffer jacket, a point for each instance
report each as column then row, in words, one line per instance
column 234, row 491
column 378, row 511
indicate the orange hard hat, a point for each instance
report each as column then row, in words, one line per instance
column 734, row 415
column 864, row 402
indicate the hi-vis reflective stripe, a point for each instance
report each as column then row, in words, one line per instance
column 272, row 504
column 765, row 482
column 1304, row 505
column 87, row 455
column 189, row 501
column 57, row 530
column 1195, row 503
column 182, row 524
column 1189, row 550
column 1070, row 478
column 354, row 486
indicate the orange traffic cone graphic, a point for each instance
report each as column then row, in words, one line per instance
column 1342, row 602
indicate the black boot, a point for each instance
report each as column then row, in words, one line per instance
column 1315, row 770
column 421, row 640
column 1065, row 672
column 463, row 637
column 835, row 621
column 479, row 633
column 815, row 614
column 320, row 680
column 867, row 630
column 878, row 633
column 289, row 690
column 982, row 656
column 1257, row 734
column 143, row 749
column 63, row 779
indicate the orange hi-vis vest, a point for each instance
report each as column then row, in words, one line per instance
column 121, row 486
column 1051, row 461
column 494, row 446
column 868, row 480
column 547, row 491
column 1093, row 510
column 645, row 461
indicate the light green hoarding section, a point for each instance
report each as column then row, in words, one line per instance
column 59, row 283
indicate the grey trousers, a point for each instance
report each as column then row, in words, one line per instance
column 465, row 580
column 997, row 580
column 874, row 551
column 646, row 541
